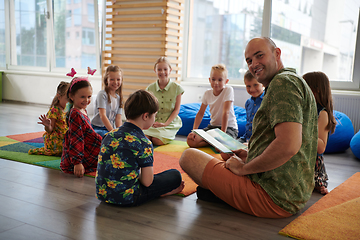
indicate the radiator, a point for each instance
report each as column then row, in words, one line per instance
column 350, row 105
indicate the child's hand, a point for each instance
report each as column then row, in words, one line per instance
column 44, row 120
column 79, row 170
column 157, row 124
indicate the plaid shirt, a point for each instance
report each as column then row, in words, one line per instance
column 81, row 144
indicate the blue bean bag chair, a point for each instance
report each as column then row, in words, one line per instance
column 355, row 144
column 339, row 141
column 188, row 112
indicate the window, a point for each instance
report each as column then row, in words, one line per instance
column 91, row 16
column 2, row 35
column 313, row 36
column 30, row 33
column 218, row 34
column 49, row 41
column 68, row 18
column 317, row 36
column 88, row 36
column 77, row 16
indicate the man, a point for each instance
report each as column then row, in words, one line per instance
column 275, row 177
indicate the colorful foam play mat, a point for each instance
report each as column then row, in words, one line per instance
column 16, row 147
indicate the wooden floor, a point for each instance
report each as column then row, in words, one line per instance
column 41, row 203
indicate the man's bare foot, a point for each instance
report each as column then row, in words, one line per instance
column 176, row 190
column 322, row 189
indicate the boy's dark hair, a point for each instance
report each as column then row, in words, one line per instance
column 248, row 76
column 140, row 102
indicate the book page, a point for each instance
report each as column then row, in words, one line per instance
column 212, row 141
column 225, row 139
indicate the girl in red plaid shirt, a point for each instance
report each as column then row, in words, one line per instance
column 81, row 144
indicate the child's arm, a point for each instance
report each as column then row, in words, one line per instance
column 118, row 120
column 104, row 119
column 146, row 176
column 199, row 116
column 173, row 115
column 323, row 133
column 76, row 140
column 49, row 123
column 225, row 115
column 176, row 110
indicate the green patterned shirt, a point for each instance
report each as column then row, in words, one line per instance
column 288, row 99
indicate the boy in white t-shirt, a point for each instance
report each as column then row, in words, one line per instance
column 221, row 101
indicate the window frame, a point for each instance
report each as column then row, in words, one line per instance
column 353, row 85
column 10, row 41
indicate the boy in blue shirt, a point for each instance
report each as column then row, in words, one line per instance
column 255, row 89
column 125, row 164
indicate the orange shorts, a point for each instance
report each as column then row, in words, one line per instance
column 240, row 192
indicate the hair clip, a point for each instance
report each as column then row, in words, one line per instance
column 91, row 71
column 72, row 73
column 76, row 80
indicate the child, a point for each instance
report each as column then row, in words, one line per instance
column 320, row 86
column 54, row 123
column 255, row 89
column 221, row 101
column 81, row 144
column 125, row 169
column 108, row 105
column 167, row 122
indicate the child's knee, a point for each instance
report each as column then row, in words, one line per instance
column 176, row 177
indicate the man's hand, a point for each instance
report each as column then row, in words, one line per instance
column 235, row 165
column 241, row 153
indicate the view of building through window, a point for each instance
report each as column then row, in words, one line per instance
column 31, row 33
column 313, row 35
column 73, row 28
column 317, row 35
column 219, row 32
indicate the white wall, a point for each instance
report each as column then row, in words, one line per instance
column 194, row 92
column 40, row 89
column 36, row 88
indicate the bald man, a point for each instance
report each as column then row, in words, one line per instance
column 275, row 177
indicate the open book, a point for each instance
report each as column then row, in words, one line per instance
column 220, row 140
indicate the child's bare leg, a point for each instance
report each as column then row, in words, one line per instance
column 157, row 142
column 195, row 141
column 176, row 190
